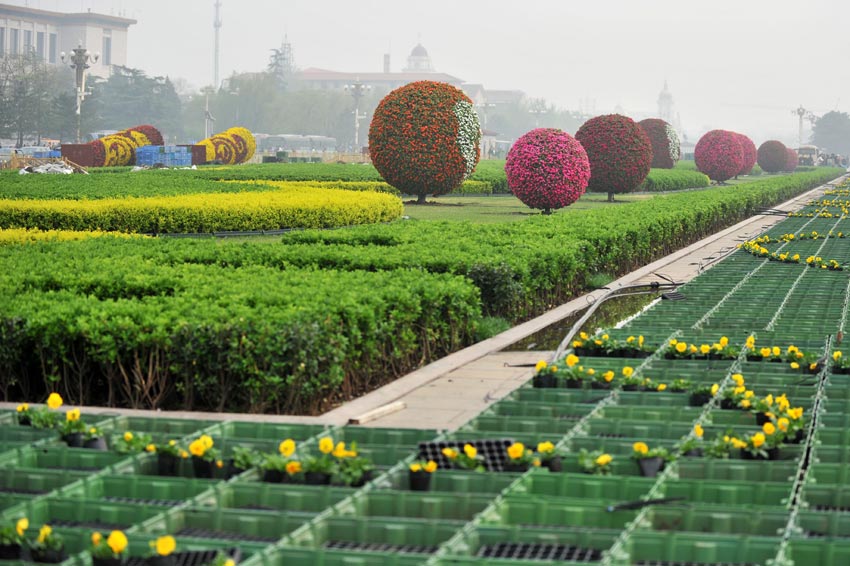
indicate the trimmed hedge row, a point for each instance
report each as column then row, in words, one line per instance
column 120, row 323
column 660, row 180
column 288, row 207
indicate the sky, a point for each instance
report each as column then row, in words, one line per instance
column 742, row 65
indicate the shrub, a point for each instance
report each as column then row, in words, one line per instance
column 660, row 180
column 791, row 161
column 750, row 154
column 424, row 138
column 619, row 152
column 719, row 155
column 772, row 156
column 666, row 147
column 547, row 169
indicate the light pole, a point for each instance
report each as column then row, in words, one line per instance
column 357, row 90
column 79, row 61
column 801, row 114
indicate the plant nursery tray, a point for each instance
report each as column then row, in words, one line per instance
column 380, row 547
column 537, row 551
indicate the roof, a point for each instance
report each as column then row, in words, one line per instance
column 419, row 51
column 65, row 18
column 314, row 74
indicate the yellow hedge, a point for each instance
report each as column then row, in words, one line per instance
column 28, row 235
column 287, row 207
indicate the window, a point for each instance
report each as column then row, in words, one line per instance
column 27, row 41
column 51, row 48
column 14, row 39
column 106, row 54
column 2, row 42
column 39, row 44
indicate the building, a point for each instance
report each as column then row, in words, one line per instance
column 49, row 34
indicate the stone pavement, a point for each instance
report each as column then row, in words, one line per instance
column 452, row 390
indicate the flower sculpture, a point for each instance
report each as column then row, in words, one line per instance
column 424, row 138
column 750, row 154
column 547, row 169
column 791, row 160
column 619, row 152
column 666, row 147
column 772, row 156
column 719, row 155
column 231, row 147
column 120, row 149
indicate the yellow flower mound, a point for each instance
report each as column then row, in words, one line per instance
column 286, row 207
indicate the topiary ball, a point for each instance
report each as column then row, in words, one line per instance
column 750, row 154
column 666, row 147
column 619, row 152
column 547, row 169
column 791, row 160
column 772, row 156
column 719, row 155
column 424, row 138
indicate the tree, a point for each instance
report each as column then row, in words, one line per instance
column 831, row 132
column 28, row 89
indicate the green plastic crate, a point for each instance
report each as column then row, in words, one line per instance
column 564, row 412
column 86, row 514
column 62, row 458
column 537, row 511
column 737, row 470
column 685, row 415
column 819, row 552
column 260, row 496
column 755, row 521
column 827, row 473
column 638, row 430
column 266, row 431
column 455, row 481
column 415, row 504
column 824, row 524
column 646, row 547
column 31, row 483
column 587, row 397
column 606, row 489
column 383, row 436
column 729, row 493
column 825, row 496
column 507, row 426
column 146, row 490
column 313, row 557
column 14, row 433
column 420, row 535
column 163, row 427
column 471, row 540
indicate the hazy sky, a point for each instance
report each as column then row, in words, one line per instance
column 740, row 65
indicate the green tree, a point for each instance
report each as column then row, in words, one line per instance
column 28, row 88
column 831, row 132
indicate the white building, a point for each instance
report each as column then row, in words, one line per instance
column 51, row 33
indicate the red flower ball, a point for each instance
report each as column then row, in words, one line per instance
column 666, row 147
column 719, row 155
column 619, row 152
column 424, row 138
column 547, row 169
column 750, row 154
column 791, row 160
column 772, row 156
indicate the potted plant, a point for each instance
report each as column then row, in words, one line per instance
column 12, row 538
column 168, row 455
column 595, row 462
column 702, row 394
column 24, row 415
column 796, row 425
column 633, row 348
column 721, row 447
column 352, row 469
column 48, row 547
column 468, row 459
column 602, row 380
column 108, row 551
column 679, row 350
column 840, row 364
column 679, row 386
column 544, row 378
column 48, row 415
column 130, row 442
column 93, row 438
column 319, row 468
column 73, row 429
column 419, row 475
column 204, row 457
column 693, row 445
column 222, row 559
column 549, row 457
column 650, row 461
column 161, row 551
column 755, row 448
column 244, row 458
column 519, row 459
column 763, row 409
column 631, row 383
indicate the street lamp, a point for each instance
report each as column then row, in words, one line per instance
column 357, row 90
column 801, row 113
column 79, row 61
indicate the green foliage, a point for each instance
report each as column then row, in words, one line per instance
column 831, row 132
column 673, row 180
column 490, row 326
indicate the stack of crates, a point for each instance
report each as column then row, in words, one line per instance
column 167, row 155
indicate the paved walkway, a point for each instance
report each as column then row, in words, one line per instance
column 454, row 389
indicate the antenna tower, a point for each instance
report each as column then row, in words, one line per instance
column 217, row 26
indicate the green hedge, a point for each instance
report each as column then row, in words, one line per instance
column 660, row 180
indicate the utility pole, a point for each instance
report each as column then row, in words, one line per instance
column 802, row 113
column 357, row 90
column 79, row 60
column 217, row 26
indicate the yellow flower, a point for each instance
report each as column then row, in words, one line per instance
column 23, row 407
column 661, row 387
column 165, row 545
column 698, row 431
column 229, row 562
column 795, row 414
column 545, row 447
column 128, row 436
column 415, row 467
column 150, row 448
column 769, row 400
column 293, row 467
column 813, row 366
column 738, row 379
column 776, row 351
column 536, row 462
column 184, row 454
column 470, row 451
column 197, row 448
column 54, row 401
column 608, row 376
column 836, row 355
column 748, row 394
column 751, row 342
column 673, row 342
column 339, row 450
column 44, row 532
column 798, row 355
column 326, row 445
column 640, row 447
column 757, row 439
column 541, row 365
column 765, row 352
column 117, row 541
column 73, row 415
column 576, row 344
column 714, row 389
column 768, row 428
column 795, row 365
column 640, row 341
column 206, row 441
column 782, row 423
column 681, row 347
column 450, row 453
column 604, row 336
column 96, row 538
column 627, row 371
column 603, row 459
column 630, row 339
column 739, row 390
column 430, row 466
column 172, row 443
column 704, row 349
column 219, row 464
column 92, row 431
column 583, row 335
column 745, row 404
column 21, row 526
column 792, row 348
column 572, row 360
column 591, row 371
column 724, row 341
column 693, row 349
column 738, row 443
column 516, row 450
column 286, row 448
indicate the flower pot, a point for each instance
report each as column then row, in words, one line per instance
column 49, row 556
column 514, row 467
column 272, row 476
column 160, row 560
column 650, row 467
column 106, row 561
column 24, row 420
column 166, row 464
column 203, row 468
column 630, row 387
column 599, row 385
column 364, row 479
column 762, row 418
column 74, row 440
column 772, row 454
column 98, row 443
column 728, row 404
column 419, row 481
column 10, row 552
column 317, row 478
column 573, row 383
column 797, row 438
column 581, row 352
column 693, row 453
column 544, row 381
column 555, row 464
column 232, row 470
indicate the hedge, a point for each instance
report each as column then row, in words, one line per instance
column 673, row 180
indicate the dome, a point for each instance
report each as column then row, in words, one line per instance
column 419, row 51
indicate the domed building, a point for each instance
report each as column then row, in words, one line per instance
column 418, row 61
